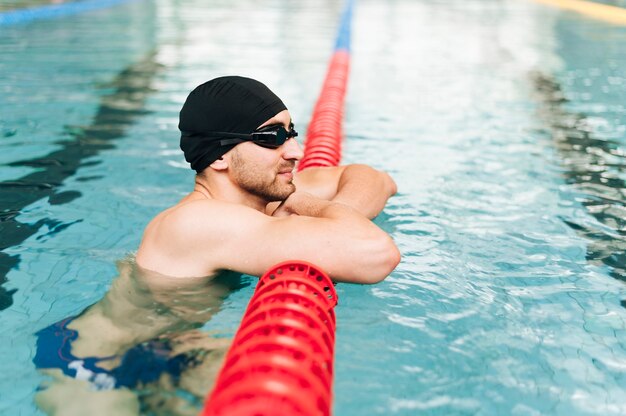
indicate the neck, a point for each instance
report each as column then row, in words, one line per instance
column 222, row 189
column 202, row 189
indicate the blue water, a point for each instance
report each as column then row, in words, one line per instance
column 502, row 122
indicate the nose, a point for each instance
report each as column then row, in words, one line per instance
column 292, row 150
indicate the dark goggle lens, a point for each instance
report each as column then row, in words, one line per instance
column 273, row 136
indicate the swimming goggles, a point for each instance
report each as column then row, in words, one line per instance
column 271, row 136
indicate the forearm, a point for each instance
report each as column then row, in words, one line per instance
column 364, row 189
column 359, row 252
column 310, row 206
column 343, row 216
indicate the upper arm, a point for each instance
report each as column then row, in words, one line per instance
column 250, row 242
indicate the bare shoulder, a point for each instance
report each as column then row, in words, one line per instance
column 203, row 214
column 186, row 240
column 202, row 221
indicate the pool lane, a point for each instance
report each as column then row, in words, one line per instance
column 590, row 166
column 499, row 305
column 116, row 112
column 88, row 85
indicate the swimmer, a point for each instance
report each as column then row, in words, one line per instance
column 137, row 348
column 249, row 209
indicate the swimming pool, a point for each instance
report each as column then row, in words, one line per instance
column 502, row 122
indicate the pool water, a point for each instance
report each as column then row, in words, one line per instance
column 503, row 124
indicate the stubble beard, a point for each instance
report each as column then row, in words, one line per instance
column 254, row 180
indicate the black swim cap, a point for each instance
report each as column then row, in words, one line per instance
column 227, row 104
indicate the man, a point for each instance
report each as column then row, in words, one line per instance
column 249, row 210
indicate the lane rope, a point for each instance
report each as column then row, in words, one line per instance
column 281, row 358
column 52, row 11
column 322, row 146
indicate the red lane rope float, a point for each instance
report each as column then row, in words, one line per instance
column 281, row 359
column 322, row 146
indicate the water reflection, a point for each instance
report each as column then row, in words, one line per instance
column 138, row 350
column 595, row 167
column 116, row 113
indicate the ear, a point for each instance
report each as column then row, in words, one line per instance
column 220, row 164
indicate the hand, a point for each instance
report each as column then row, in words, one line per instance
column 298, row 203
column 358, row 186
column 282, row 210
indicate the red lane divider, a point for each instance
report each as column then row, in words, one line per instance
column 322, row 146
column 281, row 359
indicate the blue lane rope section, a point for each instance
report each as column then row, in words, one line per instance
column 343, row 37
column 55, row 10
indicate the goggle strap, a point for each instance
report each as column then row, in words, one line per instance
column 225, row 134
column 227, row 142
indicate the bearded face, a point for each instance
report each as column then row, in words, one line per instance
column 264, row 180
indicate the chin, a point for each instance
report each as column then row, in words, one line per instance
column 284, row 193
column 276, row 192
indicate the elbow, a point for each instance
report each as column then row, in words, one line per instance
column 385, row 180
column 390, row 184
column 387, row 258
column 370, row 266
